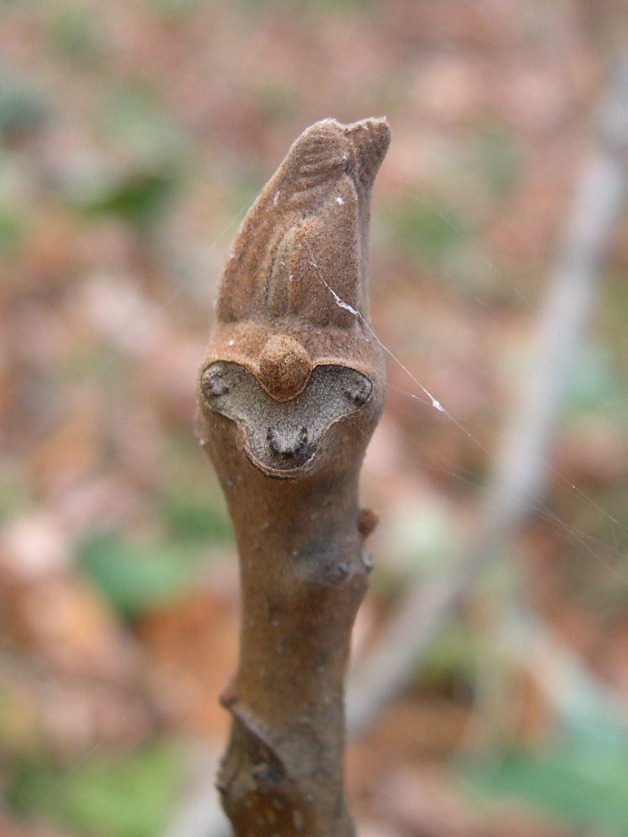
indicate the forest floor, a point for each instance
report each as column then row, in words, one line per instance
column 133, row 137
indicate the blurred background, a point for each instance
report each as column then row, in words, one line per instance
column 133, row 138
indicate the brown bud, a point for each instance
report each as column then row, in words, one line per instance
column 284, row 367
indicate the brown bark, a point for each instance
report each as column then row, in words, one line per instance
column 290, row 392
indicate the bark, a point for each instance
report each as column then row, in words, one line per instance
column 290, row 392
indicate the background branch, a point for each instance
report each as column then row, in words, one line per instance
column 522, row 469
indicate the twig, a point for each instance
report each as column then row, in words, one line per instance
column 290, row 392
column 522, row 468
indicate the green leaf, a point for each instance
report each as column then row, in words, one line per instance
column 117, row 796
column 139, row 197
column 74, row 30
column 499, row 159
column 432, row 232
column 196, row 519
column 12, row 231
column 583, row 784
column 134, row 575
column 23, row 107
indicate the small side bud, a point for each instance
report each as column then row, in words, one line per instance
column 284, row 367
column 367, row 522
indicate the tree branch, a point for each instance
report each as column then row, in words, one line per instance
column 290, row 392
